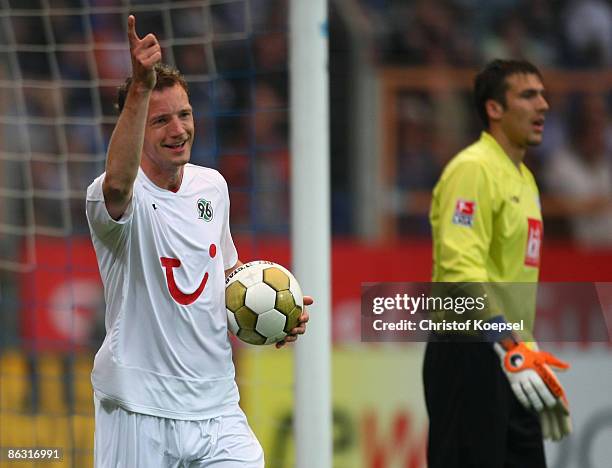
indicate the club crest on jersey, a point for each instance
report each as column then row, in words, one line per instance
column 464, row 212
column 205, row 209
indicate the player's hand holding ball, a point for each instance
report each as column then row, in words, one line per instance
column 265, row 304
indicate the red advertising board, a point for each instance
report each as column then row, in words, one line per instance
column 62, row 299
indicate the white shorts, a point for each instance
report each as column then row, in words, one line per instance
column 124, row 439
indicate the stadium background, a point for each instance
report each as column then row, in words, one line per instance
column 400, row 76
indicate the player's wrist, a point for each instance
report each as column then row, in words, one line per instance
column 500, row 333
column 142, row 87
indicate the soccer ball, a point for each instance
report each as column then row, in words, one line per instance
column 263, row 302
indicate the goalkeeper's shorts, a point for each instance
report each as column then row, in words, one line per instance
column 474, row 418
column 124, row 438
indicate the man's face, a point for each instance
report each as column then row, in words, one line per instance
column 522, row 119
column 169, row 129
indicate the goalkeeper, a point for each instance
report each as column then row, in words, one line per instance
column 164, row 387
column 491, row 399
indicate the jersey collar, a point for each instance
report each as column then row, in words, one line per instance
column 501, row 156
column 163, row 192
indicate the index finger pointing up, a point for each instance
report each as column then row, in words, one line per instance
column 132, row 36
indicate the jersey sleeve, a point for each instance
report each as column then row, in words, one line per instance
column 463, row 222
column 230, row 254
column 465, row 207
column 112, row 232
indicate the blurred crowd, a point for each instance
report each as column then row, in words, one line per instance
column 59, row 73
column 58, row 78
column 563, row 33
column 573, row 165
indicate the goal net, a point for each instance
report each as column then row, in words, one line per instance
column 60, row 64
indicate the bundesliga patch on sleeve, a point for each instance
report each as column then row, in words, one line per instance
column 464, row 213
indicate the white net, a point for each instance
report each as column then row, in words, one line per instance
column 60, row 64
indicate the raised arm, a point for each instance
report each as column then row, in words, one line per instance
column 126, row 142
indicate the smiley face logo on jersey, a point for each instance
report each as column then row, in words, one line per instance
column 179, row 296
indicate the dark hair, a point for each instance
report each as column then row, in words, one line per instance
column 167, row 77
column 491, row 83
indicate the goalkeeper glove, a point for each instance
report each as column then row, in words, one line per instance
column 531, row 379
column 556, row 422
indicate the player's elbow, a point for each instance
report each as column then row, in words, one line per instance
column 116, row 190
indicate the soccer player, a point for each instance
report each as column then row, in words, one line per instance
column 491, row 398
column 165, row 393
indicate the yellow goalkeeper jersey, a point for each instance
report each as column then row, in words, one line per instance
column 486, row 219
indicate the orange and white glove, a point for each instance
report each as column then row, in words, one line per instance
column 556, row 422
column 536, row 386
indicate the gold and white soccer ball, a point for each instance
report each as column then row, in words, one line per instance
column 263, row 302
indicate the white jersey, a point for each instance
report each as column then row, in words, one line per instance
column 166, row 351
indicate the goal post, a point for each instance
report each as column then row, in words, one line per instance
column 310, row 223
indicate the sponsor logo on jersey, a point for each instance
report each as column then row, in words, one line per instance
column 464, row 213
column 534, row 242
column 183, row 298
column 205, row 209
